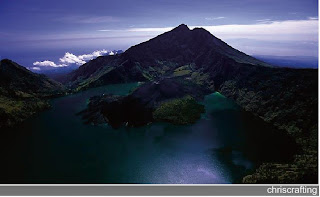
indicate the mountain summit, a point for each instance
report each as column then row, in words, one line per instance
column 181, row 27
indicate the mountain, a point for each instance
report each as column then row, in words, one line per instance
column 184, row 45
column 185, row 62
column 159, row 57
column 23, row 93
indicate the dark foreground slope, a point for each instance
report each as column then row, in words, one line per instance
column 283, row 97
column 23, row 93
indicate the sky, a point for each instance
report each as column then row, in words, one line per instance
column 39, row 33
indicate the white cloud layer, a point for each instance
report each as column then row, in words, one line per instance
column 214, row 18
column 47, row 63
column 87, row 19
column 313, row 18
column 161, row 29
column 71, row 59
column 290, row 30
column 35, row 68
column 264, row 29
column 266, row 20
column 95, row 54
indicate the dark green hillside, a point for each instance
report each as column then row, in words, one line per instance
column 288, row 99
column 23, row 93
column 179, row 111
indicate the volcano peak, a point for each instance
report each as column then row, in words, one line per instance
column 182, row 27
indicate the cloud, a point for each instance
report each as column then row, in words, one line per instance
column 214, row 18
column 313, row 18
column 100, row 19
column 35, row 68
column 150, row 29
column 87, row 19
column 266, row 20
column 107, row 30
column 48, row 63
column 71, row 59
column 95, row 54
column 288, row 30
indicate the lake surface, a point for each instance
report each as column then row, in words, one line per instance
column 56, row 147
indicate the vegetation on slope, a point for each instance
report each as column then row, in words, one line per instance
column 23, row 93
column 288, row 99
column 15, row 110
column 180, row 111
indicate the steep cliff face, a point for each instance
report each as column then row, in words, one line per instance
column 23, row 93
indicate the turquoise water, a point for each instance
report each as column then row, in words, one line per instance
column 56, row 147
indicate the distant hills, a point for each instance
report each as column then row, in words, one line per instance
column 23, row 93
column 290, row 61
